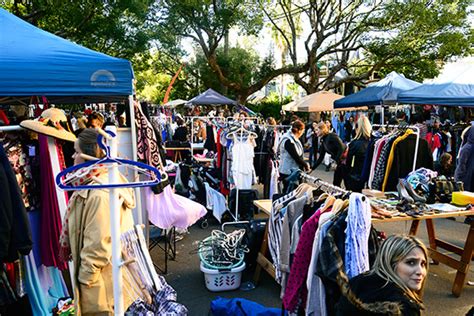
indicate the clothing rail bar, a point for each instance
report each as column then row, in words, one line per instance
column 315, row 180
column 11, row 128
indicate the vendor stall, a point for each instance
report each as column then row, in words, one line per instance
column 39, row 67
column 301, row 282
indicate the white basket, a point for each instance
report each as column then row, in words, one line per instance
column 217, row 281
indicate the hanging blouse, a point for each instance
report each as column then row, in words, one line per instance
column 242, row 164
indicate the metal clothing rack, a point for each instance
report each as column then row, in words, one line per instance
column 192, row 118
column 417, row 133
column 325, row 186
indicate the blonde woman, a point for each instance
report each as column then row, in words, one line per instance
column 333, row 145
column 357, row 154
column 395, row 284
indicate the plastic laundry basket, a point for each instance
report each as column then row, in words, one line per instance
column 222, row 280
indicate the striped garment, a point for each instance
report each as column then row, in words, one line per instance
column 275, row 229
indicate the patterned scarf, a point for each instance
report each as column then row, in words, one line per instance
column 85, row 177
column 148, row 148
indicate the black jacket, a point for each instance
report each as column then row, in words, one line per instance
column 402, row 163
column 377, row 297
column 331, row 144
column 181, row 134
column 15, row 234
column 355, row 163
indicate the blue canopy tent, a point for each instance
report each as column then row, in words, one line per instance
column 211, row 97
column 34, row 62
column 382, row 92
column 455, row 91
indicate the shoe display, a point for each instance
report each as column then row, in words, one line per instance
column 416, row 197
column 403, row 193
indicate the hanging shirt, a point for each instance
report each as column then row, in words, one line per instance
column 215, row 201
column 274, row 230
column 357, row 235
column 316, row 299
column 242, row 164
column 274, row 189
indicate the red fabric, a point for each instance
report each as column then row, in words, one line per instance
column 10, row 271
column 51, row 224
column 434, row 141
column 296, row 290
column 4, row 118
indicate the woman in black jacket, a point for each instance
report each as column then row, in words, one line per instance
column 333, row 145
column 394, row 285
column 356, row 155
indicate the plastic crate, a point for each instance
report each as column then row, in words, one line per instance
column 222, row 280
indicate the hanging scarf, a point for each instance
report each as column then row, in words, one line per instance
column 84, row 179
column 148, row 149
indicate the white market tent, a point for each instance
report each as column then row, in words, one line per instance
column 317, row 102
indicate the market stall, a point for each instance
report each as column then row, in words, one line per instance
column 322, row 101
column 457, row 89
column 39, row 67
column 297, row 276
column 383, row 92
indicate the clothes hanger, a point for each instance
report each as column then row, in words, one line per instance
column 330, row 200
column 240, row 130
column 65, row 177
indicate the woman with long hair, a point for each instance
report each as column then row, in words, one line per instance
column 356, row 155
column 395, row 284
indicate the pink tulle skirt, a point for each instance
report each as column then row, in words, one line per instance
column 167, row 209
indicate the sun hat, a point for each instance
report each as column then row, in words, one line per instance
column 52, row 122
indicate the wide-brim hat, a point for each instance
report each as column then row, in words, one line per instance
column 52, row 122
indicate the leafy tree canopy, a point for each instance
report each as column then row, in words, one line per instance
column 153, row 73
column 239, row 65
column 413, row 37
column 410, row 36
column 116, row 27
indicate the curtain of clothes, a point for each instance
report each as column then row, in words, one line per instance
column 266, row 158
column 390, row 157
column 314, row 239
column 35, row 281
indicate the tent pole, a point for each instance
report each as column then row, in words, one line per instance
column 115, row 209
column 133, row 128
column 382, row 114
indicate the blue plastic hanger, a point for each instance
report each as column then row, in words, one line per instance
column 148, row 170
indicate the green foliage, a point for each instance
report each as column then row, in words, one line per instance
column 239, row 65
column 270, row 106
column 152, row 80
column 418, row 36
column 198, row 19
column 115, row 27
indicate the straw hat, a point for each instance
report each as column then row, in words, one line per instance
column 52, row 122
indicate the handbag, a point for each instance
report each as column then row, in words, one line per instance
column 442, row 188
